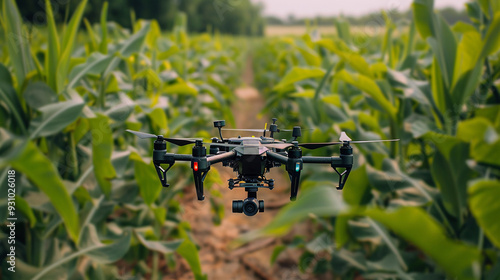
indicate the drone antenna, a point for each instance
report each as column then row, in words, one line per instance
column 296, row 132
column 219, row 125
column 273, row 128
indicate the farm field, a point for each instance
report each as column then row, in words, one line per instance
column 88, row 203
column 299, row 30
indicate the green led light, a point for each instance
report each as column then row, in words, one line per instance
column 297, row 166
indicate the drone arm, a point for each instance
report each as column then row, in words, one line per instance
column 277, row 157
column 221, row 157
column 180, row 157
column 309, row 159
column 345, row 160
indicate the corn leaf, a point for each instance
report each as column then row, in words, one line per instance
column 38, row 168
column 67, row 45
column 483, row 201
column 368, row 86
column 55, row 117
column 147, row 179
column 17, row 42
column 102, row 147
column 416, row 226
column 297, row 74
column 53, row 48
column 103, row 47
column 9, row 97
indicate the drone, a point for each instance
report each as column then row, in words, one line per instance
column 251, row 158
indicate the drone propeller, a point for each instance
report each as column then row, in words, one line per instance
column 143, row 135
column 178, row 141
column 252, row 129
column 343, row 139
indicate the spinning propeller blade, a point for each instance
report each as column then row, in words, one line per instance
column 142, row 135
column 312, row 146
column 175, row 141
column 374, row 141
column 343, row 138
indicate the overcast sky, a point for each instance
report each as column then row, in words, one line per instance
column 311, row 8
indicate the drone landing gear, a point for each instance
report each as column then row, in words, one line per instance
column 162, row 174
column 250, row 206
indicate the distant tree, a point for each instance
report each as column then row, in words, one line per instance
column 227, row 16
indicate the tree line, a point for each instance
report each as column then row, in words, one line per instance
column 237, row 17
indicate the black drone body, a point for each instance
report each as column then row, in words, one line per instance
column 251, row 158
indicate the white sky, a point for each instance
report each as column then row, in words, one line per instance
column 311, row 8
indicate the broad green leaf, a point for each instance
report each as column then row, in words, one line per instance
column 55, row 117
column 357, row 62
column 17, row 42
column 491, row 42
column 440, row 95
column 358, row 191
column 450, row 174
column 444, row 46
column 434, row 29
column 38, row 168
column 153, row 35
column 164, row 247
column 91, row 36
column 103, row 252
column 343, row 30
column 102, row 148
column 485, row 141
column 53, row 48
column 26, row 210
column 320, row 201
column 91, row 246
column 369, row 86
column 189, row 252
column 297, row 74
column 483, row 201
column 391, row 179
column 420, row 229
column 147, row 179
column 9, row 97
column 466, row 84
column 387, row 240
column 310, row 56
column 180, row 88
column 276, row 252
column 135, row 42
column 39, row 94
column 95, row 64
column 103, row 47
column 423, row 17
column 68, row 42
column 467, row 54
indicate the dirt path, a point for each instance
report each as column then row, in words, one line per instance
column 252, row 261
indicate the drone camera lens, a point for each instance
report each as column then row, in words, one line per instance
column 250, row 206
